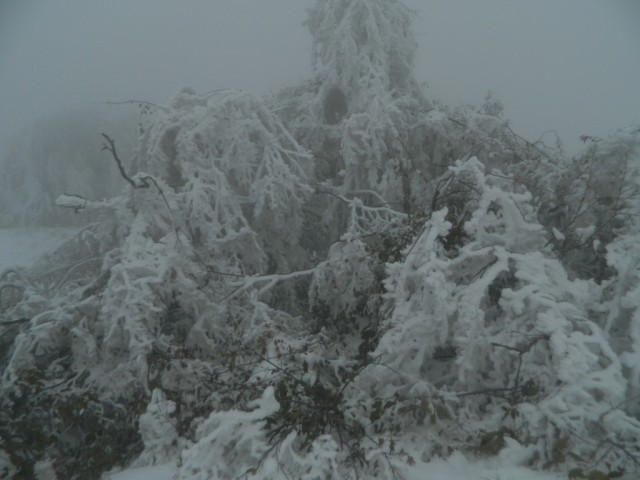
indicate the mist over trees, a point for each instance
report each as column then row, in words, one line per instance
column 339, row 280
column 61, row 154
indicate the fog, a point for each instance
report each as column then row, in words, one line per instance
column 572, row 66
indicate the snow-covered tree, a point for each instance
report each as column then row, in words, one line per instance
column 335, row 282
column 220, row 200
column 357, row 111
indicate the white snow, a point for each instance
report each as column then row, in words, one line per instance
column 558, row 234
column 71, row 201
column 156, row 472
column 456, row 467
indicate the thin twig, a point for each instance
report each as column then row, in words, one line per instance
column 135, row 102
column 514, row 349
column 270, row 279
column 71, row 269
column 166, row 202
column 487, row 391
column 110, row 146
column 15, row 322
column 11, row 285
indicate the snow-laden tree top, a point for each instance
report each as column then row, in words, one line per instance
column 363, row 46
column 238, row 172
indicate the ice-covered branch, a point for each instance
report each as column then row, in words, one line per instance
column 270, row 280
column 78, row 203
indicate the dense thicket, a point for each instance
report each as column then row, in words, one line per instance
column 337, row 281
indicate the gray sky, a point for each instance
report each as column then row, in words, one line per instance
column 569, row 65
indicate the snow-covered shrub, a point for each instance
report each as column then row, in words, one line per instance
column 621, row 309
column 501, row 325
column 343, row 285
column 158, row 430
column 65, row 419
column 596, row 201
column 237, row 443
column 229, row 443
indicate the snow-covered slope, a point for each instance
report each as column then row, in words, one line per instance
column 22, row 246
column 456, row 467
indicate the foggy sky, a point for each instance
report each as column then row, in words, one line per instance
column 568, row 65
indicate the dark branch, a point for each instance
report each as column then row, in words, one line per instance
column 15, row 322
column 134, row 102
column 111, row 147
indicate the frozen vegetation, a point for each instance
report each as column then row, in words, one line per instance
column 343, row 279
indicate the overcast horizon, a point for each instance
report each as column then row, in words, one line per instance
column 572, row 66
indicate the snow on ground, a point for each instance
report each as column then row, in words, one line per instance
column 456, row 467
column 22, row 246
column 158, row 472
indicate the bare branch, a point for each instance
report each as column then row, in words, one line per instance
column 110, row 146
column 15, row 322
column 166, row 202
column 11, row 285
column 270, row 280
column 134, row 102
